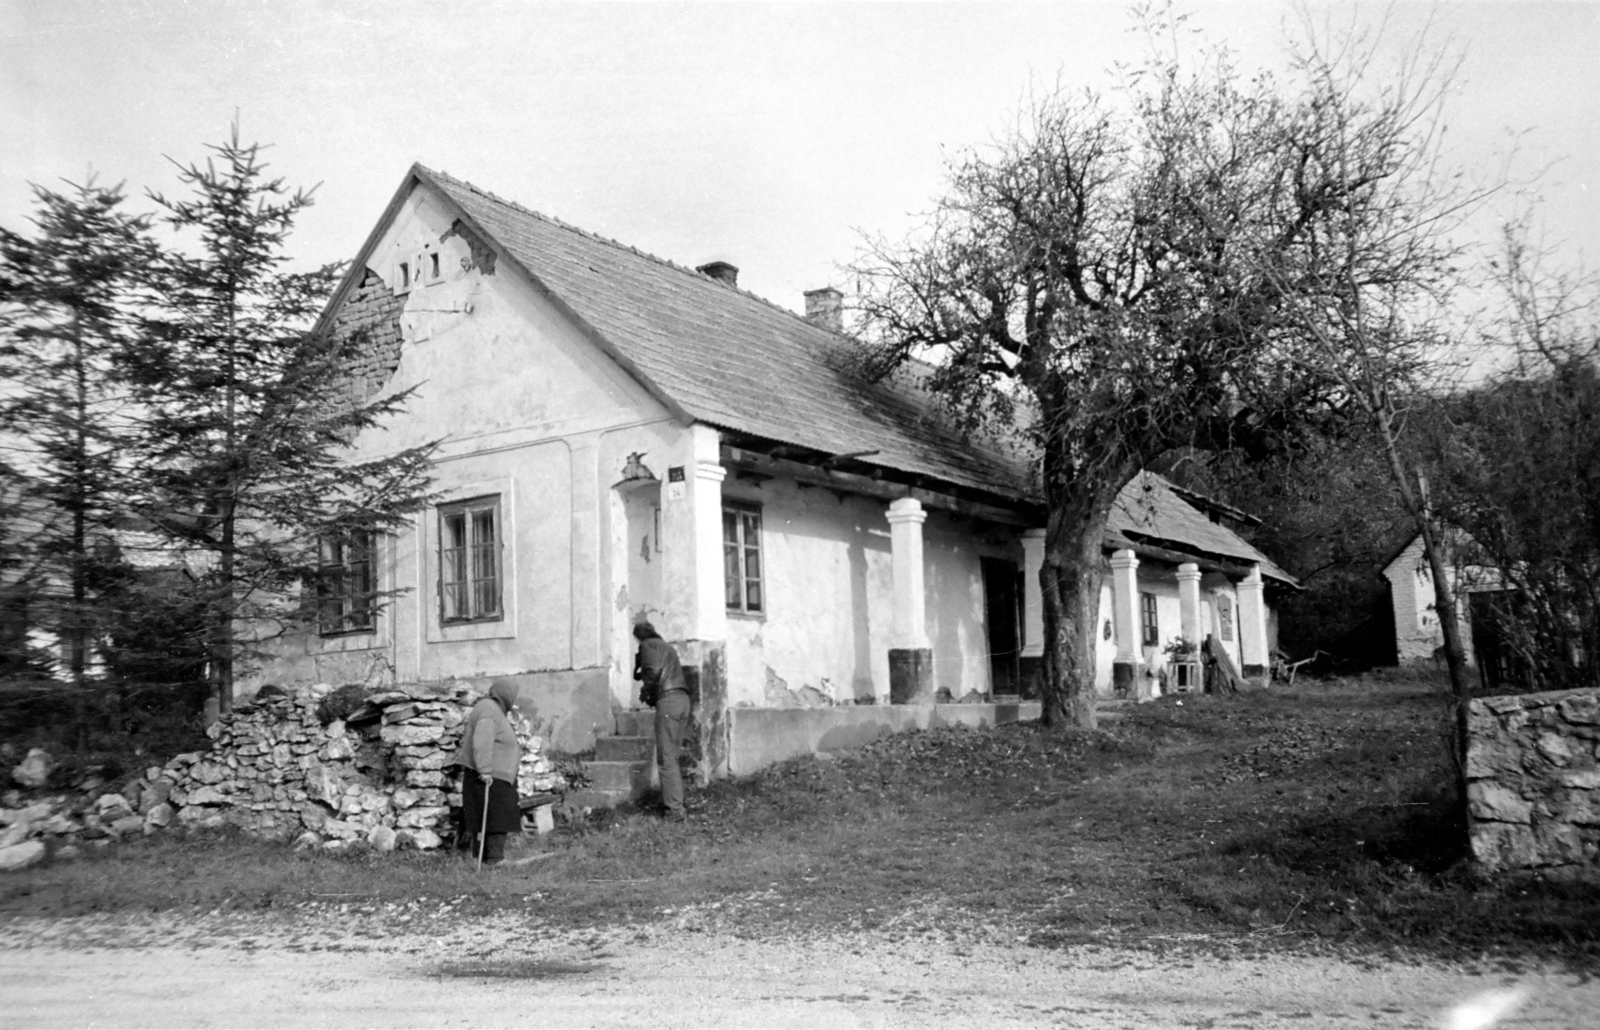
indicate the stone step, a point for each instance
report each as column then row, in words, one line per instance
column 639, row 722
column 623, row 749
column 628, row 776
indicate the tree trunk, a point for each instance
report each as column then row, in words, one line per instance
column 1444, row 601
column 1070, row 581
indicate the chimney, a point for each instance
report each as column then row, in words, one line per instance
column 825, row 309
column 721, row 271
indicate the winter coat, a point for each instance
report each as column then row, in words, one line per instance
column 489, row 743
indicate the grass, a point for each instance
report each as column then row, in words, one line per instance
column 1318, row 816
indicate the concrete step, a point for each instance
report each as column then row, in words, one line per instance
column 624, row 749
column 628, row 776
column 639, row 722
column 593, row 797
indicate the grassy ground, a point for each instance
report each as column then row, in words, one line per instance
column 1315, row 816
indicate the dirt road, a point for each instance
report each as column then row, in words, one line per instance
column 431, row 969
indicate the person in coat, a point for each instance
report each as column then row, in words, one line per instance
column 489, row 756
column 663, row 687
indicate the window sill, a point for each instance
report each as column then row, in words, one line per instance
column 739, row 613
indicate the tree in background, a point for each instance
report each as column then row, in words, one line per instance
column 246, row 459
column 1368, row 281
column 1329, row 516
column 1094, row 283
column 68, row 316
column 1517, row 463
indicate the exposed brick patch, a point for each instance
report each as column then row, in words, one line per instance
column 482, row 253
column 369, row 322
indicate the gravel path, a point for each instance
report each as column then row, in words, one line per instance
column 430, row 968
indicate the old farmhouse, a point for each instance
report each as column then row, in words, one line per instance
column 626, row 438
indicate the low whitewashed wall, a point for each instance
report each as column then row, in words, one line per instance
column 1533, row 766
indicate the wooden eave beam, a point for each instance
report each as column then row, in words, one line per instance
column 743, row 459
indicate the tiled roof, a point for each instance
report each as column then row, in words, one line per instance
column 1149, row 508
column 731, row 359
column 728, row 358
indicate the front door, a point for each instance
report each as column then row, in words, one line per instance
column 1000, row 578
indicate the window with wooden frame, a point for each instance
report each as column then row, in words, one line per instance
column 469, row 561
column 741, row 558
column 347, row 584
column 1147, row 613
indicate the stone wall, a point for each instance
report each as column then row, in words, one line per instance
column 1533, row 766
column 379, row 775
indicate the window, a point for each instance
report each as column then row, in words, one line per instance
column 741, row 558
column 404, row 278
column 1147, row 609
column 469, row 561
column 1224, row 617
column 346, row 584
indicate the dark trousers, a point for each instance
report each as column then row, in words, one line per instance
column 504, row 816
column 672, row 725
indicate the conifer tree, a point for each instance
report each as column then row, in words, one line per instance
column 68, row 298
column 250, row 426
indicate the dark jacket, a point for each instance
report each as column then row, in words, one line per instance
column 656, row 666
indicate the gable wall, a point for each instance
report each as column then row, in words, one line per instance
column 527, row 409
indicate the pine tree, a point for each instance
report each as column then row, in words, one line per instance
column 250, row 423
column 68, row 299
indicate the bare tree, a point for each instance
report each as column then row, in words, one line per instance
column 1367, row 283
column 1517, row 459
column 1093, row 282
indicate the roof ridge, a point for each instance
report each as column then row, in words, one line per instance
column 618, row 244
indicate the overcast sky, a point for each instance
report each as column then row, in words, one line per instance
column 769, row 136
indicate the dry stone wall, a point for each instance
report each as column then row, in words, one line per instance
column 380, row 775
column 1533, row 793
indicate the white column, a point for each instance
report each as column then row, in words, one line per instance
column 1032, row 595
column 1189, row 602
column 905, row 540
column 1125, row 604
column 1253, row 624
column 709, row 614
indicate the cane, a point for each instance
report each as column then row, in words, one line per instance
column 483, row 832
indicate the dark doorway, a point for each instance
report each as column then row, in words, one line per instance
column 1002, row 617
column 1499, row 669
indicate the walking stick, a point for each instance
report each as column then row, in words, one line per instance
column 483, row 832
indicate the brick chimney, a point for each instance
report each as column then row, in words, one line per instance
column 721, row 271
column 825, row 308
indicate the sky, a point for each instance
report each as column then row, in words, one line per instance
column 771, row 136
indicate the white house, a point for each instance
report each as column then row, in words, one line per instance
column 627, row 438
column 1417, row 634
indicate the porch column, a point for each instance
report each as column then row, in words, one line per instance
column 696, row 620
column 910, row 656
column 1125, row 620
column 1189, row 602
column 710, row 618
column 1253, row 627
column 1032, row 611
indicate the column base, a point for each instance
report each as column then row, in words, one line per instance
column 1124, row 678
column 1259, row 675
column 910, row 675
column 705, row 674
column 1029, row 673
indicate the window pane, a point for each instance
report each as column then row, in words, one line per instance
column 731, row 577
column 455, row 530
column 483, row 527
